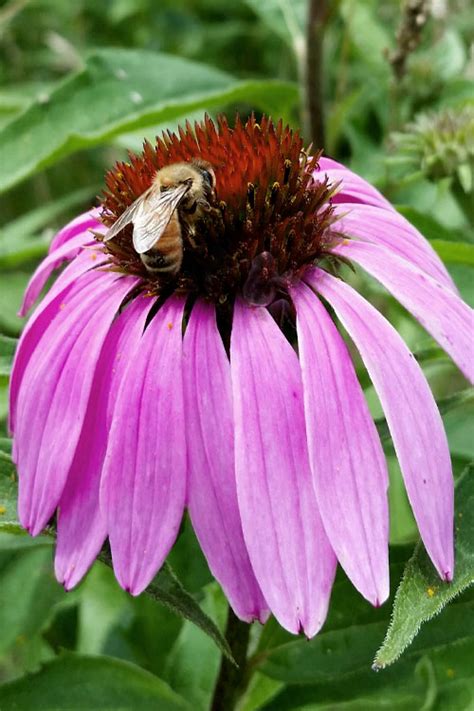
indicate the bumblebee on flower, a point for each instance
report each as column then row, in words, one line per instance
column 186, row 358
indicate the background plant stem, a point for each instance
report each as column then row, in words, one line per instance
column 314, row 110
column 232, row 679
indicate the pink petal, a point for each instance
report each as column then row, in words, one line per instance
column 392, row 230
column 289, row 551
column 42, row 317
column 212, row 492
column 326, row 163
column 144, row 479
column 444, row 315
column 411, row 412
column 81, row 525
column 54, row 392
column 353, row 188
column 82, row 224
column 347, row 459
column 66, row 252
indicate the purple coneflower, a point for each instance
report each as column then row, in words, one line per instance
column 228, row 389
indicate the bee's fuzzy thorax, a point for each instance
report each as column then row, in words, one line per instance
column 270, row 218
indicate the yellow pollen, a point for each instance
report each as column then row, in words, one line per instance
column 170, row 326
column 62, row 306
column 3, row 510
column 431, row 592
column 93, row 256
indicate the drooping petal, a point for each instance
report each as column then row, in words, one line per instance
column 212, row 494
column 66, row 252
column 412, row 415
column 288, row 548
column 49, row 307
column 390, row 229
column 144, row 478
column 81, row 528
column 346, row 456
column 54, row 392
column 353, row 188
column 82, row 224
column 444, row 315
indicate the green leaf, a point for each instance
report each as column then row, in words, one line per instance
column 28, row 593
column 421, row 594
column 8, row 493
column 454, row 252
column 445, row 405
column 431, row 228
column 345, row 644
column 438, row 681
column 126, row 90
column 286, row 18
column 165, row 588
column 7, row 351
column 193, row 662
column 12, row 287
column 19, row 239
column 82, row 683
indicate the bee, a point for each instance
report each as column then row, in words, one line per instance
column 180, row 194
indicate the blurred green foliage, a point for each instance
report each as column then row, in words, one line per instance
column 79, row 83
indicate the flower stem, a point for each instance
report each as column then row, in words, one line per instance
column 232, row 679
column 314, row 113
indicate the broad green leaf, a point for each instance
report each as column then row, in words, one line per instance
column 120, row 90
column 346, row 642
column 102, row 603
column 193, row 662
column 81, row 683
column 116, row 624
column 260, row 690
column 28, row 593
column 7, row 351
column 165, row 588
column 421, row 594
column 440, row 680
column 454, row 252
column 144, row 634
column 35, row 220
column 19, row 239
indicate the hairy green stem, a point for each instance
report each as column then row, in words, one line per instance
column 232, row 678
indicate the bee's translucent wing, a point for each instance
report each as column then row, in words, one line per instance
column 126, row 217
column 154, row 215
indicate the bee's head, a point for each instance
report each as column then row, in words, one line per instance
column 206, row 171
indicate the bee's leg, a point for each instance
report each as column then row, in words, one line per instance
column 191, row 209
column 191, row 231
column 204, row 205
